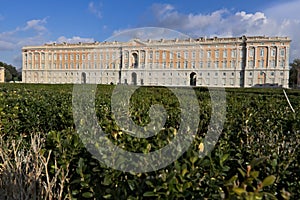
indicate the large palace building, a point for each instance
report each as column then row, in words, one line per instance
column 213, row 62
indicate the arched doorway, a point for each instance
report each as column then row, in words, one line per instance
column 134, row 78
column 83, row 77
column 135, row 60
column 193, row 79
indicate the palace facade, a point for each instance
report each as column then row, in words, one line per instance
column 214, row 62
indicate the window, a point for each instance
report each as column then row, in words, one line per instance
column 178, row 54
column 232, row 63
column 178, row 65
column 208, row 64
column 216, row 64
column 66, row 56
column 193, row 65
column 186, row 54
column 193, row 55
column 171, row 65
column 251, row 52
column 251, row 63
column 171, row 55
column 233, row 53
column 282, row 52
column 217, row 53
column 164, row 55
column 225, row 54
column 150, row 55
column 208, row 54
column 272, row 63
column 261, row 63
column 201, row 53
column 201, row 64
column 250, row 73
column 224, row 63
column 273, row 52
column 262, row 52
column 272, row 73
column 157, row 55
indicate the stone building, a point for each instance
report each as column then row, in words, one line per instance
column 214, row 62
column 2, row 74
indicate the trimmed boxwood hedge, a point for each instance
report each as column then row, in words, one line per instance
column 257, row 154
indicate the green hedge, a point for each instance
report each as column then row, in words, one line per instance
column 257, row 154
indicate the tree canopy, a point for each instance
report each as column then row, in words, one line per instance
column 11, row 73
column 295, row 67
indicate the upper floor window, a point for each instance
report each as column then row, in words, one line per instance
column 225, row 54
column 282, row 52
column 251, row 52
column 217, row 53
column 273, row 52
column 262, row 51
column 208, row 54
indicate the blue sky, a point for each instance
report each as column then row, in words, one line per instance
column 35, row 22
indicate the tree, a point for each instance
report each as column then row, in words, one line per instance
column 11, row 73
column 294, row 70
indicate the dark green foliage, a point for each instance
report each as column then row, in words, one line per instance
column 260, row 131
column 11, row 73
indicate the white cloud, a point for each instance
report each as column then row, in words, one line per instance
column 36, row 24
column 279, row 20
column 95, row 9
column 74, row 39
column 33, row 32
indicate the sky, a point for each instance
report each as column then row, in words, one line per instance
column 36, row 22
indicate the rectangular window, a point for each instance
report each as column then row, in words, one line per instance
column 208, row 54
column 157, row 55
column 273, row 52
column 186, row 54
column 193, row 65
column 233, row 53
column 261, row 63
column 217, row 53
column 225, row 54
column 193, row 55
column 150, row 55
column 262, row 51
column 185, row 64
column 164, row 55
column 272, row 63
column 251, row 52
column 201, row 53
column 216, row 64
column 201, row 64
column 171, row 55
column 224, row 63
column 282, row 52
column 208, row 64
column 178, row 54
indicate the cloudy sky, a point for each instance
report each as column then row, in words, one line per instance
column 35, row 22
